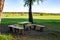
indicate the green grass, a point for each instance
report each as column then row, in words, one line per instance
column 49, row 23
column 7, row 21
column 5, row 37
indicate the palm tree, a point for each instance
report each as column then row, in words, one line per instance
column 29, row 3
column 1, row 7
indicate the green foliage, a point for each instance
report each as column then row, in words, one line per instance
column 26, row 2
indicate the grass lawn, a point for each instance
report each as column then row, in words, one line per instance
column 48, row 35
column 49, row 23
column 6, row 21
column 6, row 37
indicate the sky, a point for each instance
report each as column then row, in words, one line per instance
column 47, row 6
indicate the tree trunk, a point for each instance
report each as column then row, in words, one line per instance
column 1, row 7
column 30, row 12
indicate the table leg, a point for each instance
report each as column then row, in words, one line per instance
column 34, row 27
column 24, row 27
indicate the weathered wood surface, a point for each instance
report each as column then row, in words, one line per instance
column 37, row 27
column 15, row 28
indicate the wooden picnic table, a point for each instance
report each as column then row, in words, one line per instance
column 15, row 27
column 24, row 24
column 32, row 26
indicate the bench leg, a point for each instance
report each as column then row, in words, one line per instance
column 41, row 29
column 34, row 27
column 30, row 28
column 14, row 30
column 10, row 29
column 21, row 32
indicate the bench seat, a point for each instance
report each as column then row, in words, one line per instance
column 37, row 27
column 13, row 28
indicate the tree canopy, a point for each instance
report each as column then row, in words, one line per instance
column 26, row 2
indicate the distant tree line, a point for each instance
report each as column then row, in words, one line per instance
column 35, row 13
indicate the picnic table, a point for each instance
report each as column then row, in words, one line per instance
column 25, row 24
column 20, row 29
column 32, row 26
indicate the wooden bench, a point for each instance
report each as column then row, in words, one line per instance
column 38, row 27
column 14, row 28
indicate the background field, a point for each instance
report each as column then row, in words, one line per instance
column 35, row 15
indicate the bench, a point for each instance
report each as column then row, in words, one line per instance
column 15, row 28
column 38, row 27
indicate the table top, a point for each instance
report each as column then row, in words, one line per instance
column 26, row 22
